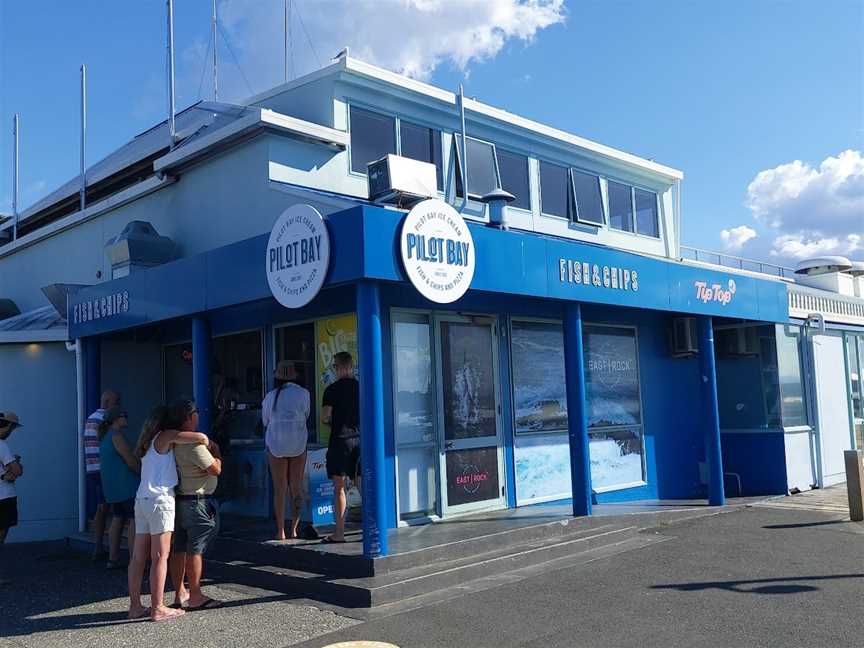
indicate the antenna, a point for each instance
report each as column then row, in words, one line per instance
column 287, row 44
column 215, row 61
column 172, row 130
column 83, row 136
column 15, row 128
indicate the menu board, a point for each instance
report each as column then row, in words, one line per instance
column 472, row 476
column 332, row 335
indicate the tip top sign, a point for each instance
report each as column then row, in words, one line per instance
column 715, row 292
column 437, row 251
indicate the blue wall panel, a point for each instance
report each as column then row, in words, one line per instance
column 759, row 458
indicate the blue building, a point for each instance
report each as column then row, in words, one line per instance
column 570, row 333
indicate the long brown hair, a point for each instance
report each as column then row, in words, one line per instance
column 155, row 423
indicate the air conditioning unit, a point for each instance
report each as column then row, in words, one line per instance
column 685, row 337
column 740, row 341
column 401, row 181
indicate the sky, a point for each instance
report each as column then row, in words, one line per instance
column 759, row 102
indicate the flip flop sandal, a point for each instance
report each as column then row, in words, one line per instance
column 144, row 614
column 209, row 604
column 329, row 540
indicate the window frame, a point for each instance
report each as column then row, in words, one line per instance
column 458, row 169
column 656, row 213
column 633, row 187
column 575, row 198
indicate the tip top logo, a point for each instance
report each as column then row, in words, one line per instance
column 715, row 292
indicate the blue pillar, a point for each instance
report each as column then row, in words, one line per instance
column 577, row 415
column 713, row 449
column 92, row 374
column 201, row 371
column 370, row 350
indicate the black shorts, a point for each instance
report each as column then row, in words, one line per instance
column 124, row 510
column 196, row 524
column 343, row 457
column 8, row 513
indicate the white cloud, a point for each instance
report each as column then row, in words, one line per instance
column 813, row 210
column 735, row 238
column 412, row 37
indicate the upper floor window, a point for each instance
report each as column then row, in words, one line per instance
column 482, row 168
column 514, row 177
column 632, row 209
column 646, row 213
column 554, row 192
column 620, row 206
column 424, row 144
column 372, row 137
column 589, row 202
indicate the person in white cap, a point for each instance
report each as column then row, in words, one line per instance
column 10, row 470
column 284, row 414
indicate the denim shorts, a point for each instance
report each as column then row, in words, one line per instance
column 196, row 523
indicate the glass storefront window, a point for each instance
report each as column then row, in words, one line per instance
column 614, row 406
column 237, row 388
column 297, row 344
column 855, row 363
column 414, row 404
column 793, row 407
column 539, row 386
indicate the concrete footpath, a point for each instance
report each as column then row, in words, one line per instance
column 785, row 572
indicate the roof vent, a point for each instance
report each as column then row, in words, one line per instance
column 823, row 265
column 138, row 247
column 497, row 200
column 857, row 269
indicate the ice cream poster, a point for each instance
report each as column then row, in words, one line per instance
column 332, row 335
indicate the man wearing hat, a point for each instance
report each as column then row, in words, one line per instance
column 10, row 470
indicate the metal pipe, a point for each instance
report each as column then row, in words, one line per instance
column 287, row 36
column 215, row 59
column 82, row 477
column 15, row 127
column 172, row 130
column 83, row 197
column 464, row 147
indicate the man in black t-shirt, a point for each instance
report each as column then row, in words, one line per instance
column 340, row 409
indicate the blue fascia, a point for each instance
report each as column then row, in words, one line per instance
column 364, row 245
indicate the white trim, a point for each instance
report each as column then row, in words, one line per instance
column 28, row 337
column 259, row 118
column 114, row 201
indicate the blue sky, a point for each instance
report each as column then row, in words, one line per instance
column 723, row 91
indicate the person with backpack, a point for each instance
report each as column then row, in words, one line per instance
column 284, row 412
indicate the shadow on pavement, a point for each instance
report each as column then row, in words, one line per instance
column 47, row 583
column 787, row 585
column 801, row 525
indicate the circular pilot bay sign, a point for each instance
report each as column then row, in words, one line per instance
column 437, row 251
column 298, row 254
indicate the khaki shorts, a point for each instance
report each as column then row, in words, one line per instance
column 154, row 515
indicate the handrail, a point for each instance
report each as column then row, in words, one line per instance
column 732, row 261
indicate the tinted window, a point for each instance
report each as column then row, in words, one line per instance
column 646, row 213
column 620, row 207
column 482, row 175
column 424, row 144
column 514, row 177
column 553, row 189
column 589, row 204
column 372, row 137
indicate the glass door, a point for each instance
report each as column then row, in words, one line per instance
column 471, row 456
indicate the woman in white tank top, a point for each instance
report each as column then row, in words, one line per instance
column 284, row 413
column 154, row 511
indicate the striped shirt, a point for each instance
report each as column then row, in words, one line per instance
column 91, row 441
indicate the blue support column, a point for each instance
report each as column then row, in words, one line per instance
column 713, row 449
column 577, row 416
column 92, row 374
column 201, row 344
column 370, row 350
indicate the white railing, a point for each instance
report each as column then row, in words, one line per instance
column 731, row 261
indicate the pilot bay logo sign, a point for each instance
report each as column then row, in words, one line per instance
column 298, row 254
column 437, row 251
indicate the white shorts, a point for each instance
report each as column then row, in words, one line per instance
column 154, row 515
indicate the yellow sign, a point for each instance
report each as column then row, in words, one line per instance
column 332, row 335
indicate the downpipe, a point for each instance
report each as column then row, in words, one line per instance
column 82, row 485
